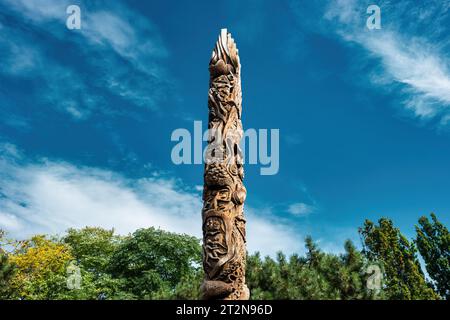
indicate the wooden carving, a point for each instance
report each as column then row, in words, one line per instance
column 224, row 249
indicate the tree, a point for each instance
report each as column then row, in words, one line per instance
column 6, row 273
column 41, row 268
column 352, row 279
column 433, row 243
column 403, row 277
column 7, row 270
column 92, row 248
column 344, row 274
column 188, row 287
column 153, row 262
column 319, row 275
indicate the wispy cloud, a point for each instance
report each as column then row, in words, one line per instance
column 106, row 50
column 300, row 209
column 102, row 24
column 415, row 60
column 56, row 85
column 51, row 196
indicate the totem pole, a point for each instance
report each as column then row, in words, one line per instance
column 224, row 251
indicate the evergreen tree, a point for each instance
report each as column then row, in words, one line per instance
column 403, row 277
column 319, row 275
column 433, row 242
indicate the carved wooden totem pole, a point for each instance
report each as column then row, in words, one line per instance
column 224, row 250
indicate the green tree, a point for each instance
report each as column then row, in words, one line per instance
column 352, row 278
column 7, row 270
column 403, row 277
column 319, row 275
column 433, row 243
column 189, row 286
column 92, row 248
column 344, row 274
column 154, row 262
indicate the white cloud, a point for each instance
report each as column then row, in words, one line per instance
column 425, row 74
column 102, row 24
column 50, row 197
column 300, row 209
column 268, row 236
column 415, row 62
column 9, row 150
column 346, row 11
column 41, row 10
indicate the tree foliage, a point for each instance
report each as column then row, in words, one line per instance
column 155, row 264
column 41, row 268
column 433, row 243
column 7, row 269
column 92, row 247
column 319, row 275
column 403, row 277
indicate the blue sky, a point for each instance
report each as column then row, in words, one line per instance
column 86, row 115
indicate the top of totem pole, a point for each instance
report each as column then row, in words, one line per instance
column 225, row 56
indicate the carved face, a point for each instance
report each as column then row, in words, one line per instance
column 217, row 199
column 215, row 242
